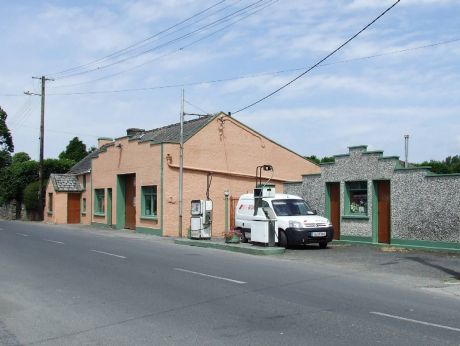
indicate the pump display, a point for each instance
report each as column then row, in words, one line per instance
column 201, row 219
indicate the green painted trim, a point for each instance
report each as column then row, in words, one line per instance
column 162, row 188
column 356, row 239
column 145, row 217
column 356, row 217
column 327, row 202
column 426, row 244
column 358, row 146
column 419, row 168
column 292, row 182
column 91, row 206
column 389, row 158
column 120, row 223
column 341, row 155
column 152, row 231
column 243, row 248
column 311, row 174
column 100, row 225
column 98, row 214
column 434, row 175
column 109, row 206
column 373, row 152
column 375, row 213
column 143, row 214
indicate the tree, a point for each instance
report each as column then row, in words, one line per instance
column 15, row 177
column 6, row 141
column 448, row 166
column 20, row 157
column 316, row 160
column 75, row 151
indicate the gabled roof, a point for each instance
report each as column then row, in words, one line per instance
column 66, row 183
column 171, row 133
column 84, row 165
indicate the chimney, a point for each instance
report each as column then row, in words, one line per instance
column 132, row 132
column 103, row 140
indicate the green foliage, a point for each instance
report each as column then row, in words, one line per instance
column 448, row 166
column 5, row 158
column 6, row 140
column 14, row 179
column 20, row 157
column 56, row 166
column 30, row 196
column 316, row 160
column 75, row 151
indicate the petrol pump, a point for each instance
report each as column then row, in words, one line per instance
column 201, row 215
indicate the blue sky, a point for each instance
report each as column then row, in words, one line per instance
column 351, row 100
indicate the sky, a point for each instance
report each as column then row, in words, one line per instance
column 121, row 64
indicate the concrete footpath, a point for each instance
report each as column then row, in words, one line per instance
column 239, row 247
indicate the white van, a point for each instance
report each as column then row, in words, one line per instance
column 297, row 223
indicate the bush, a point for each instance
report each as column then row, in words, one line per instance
column 30, row 196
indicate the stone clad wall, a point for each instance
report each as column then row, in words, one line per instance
column 425, row 207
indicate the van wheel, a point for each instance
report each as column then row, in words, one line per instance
column 282, row 239
column 323, row 245
column 243, row 238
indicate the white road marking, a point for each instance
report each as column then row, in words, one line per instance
column 53, row 241
column 108, row 253
column 415, row 321
column 22, row 234
column 211, row 276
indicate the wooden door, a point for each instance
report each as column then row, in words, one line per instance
column 334, row 192
column 383, row 196
column 130, row 201
column 73, row 208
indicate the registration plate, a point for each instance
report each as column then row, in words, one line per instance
column 318, row 234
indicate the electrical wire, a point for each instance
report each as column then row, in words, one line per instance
column 136, row 44
column 258, row 9
column 170, row 42
column 254, row 75
column 319, row 62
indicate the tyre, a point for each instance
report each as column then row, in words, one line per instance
column 282, row 239
column 243, row 238
column 323, row 245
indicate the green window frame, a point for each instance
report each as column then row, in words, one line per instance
column 149, row 202
column 50, row 202
column 356, row 198
column 99, row 201
column 83, row 205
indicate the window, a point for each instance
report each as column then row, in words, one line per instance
column 356, row 198
column 50, row 203
column 83, row 205
column 99, row 203
column 149, row 201
column 291, row 207
column 84, row 181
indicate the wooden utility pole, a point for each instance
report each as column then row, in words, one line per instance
column 42, row 141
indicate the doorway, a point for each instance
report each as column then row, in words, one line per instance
column 383, row 211
column 109, row 207
column 334, row 207
column 73, row 207
column 130, row 201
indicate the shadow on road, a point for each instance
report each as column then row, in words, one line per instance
column 455, row 274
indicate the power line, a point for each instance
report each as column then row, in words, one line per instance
column 319, row 62
column 130, row 47
column 180, row 49
column 170, row 42
column 255, row 75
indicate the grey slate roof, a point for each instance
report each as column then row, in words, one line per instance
column 171, row 133
column 165, row 134
column 66, row 183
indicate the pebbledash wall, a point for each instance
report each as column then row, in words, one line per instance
column 424, row 207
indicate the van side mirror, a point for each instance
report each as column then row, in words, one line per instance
column 315, row 212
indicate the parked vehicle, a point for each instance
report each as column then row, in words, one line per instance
column 297, row 223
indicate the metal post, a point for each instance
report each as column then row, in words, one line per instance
column 406, row 145
column 40, row 165
column 181, row 164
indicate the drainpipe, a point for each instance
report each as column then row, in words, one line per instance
column 226, row 193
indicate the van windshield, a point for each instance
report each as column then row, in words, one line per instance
column 291, row 207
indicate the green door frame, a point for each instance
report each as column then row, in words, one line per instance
column 121, row 184
column 109, row 206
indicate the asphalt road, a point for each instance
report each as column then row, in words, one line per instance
column 71, row 286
